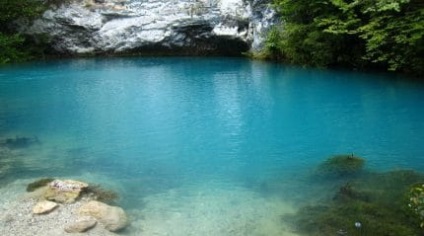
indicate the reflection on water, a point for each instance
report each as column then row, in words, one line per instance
column 148, row 127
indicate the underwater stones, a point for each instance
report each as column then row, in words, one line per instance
column 19, row 142
column 373, row 203
column 44, row 207
column 64, row 191
column 349, row 192
column 111, row 217
column 81, row 225
column 342, row 165
column 96, row 192
column 38, row 184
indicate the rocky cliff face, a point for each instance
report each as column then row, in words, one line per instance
column 224, row 27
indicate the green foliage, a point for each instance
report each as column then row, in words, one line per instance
column 273, row 43
column 11, row 10
column 394, row 35
column 385, row 33
column 13, row 46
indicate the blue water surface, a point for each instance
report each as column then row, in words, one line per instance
column 155, row 123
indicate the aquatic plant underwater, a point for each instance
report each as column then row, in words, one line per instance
column 342, row 165
column 10, row 153
column 368, row 203
column 416, row 201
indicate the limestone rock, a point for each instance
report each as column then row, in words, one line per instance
column 64, row 191
column 44, row 207
column 224, row 27
column 81, row 225
column 111, row 217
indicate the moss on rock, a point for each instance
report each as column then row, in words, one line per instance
column 100, row 194
column 372, row 204
column 38, row 184
column 342, row 165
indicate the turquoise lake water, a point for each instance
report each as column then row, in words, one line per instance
column 150, row 125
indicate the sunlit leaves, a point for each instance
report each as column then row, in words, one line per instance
column 385, row 33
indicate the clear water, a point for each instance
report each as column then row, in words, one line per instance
column 152, row 125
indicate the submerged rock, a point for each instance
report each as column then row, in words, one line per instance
column 81, row 225
column 111, row 217
column 64, row 191
column 44, row 207
column 375, row 203
column 38, row 184
column 342, row 165
column 19, row 142
column 96, row 192
column 225, row 27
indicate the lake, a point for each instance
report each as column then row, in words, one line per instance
column 198, row 145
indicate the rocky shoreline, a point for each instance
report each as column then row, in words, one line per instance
column 29, row 214
column 203, row 209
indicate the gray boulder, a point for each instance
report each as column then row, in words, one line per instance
column 224, row 27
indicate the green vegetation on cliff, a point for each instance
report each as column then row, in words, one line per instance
column 385, row 34
column 13, row 46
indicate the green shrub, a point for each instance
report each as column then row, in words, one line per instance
column 352, row 33
column 13, row 46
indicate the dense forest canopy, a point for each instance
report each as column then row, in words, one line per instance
column 385, row 34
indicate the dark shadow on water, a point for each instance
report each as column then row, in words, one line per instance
column 20, row 142
column 309, row 184
column 13, row 152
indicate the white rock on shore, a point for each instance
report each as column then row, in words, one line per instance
column 17, row 217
